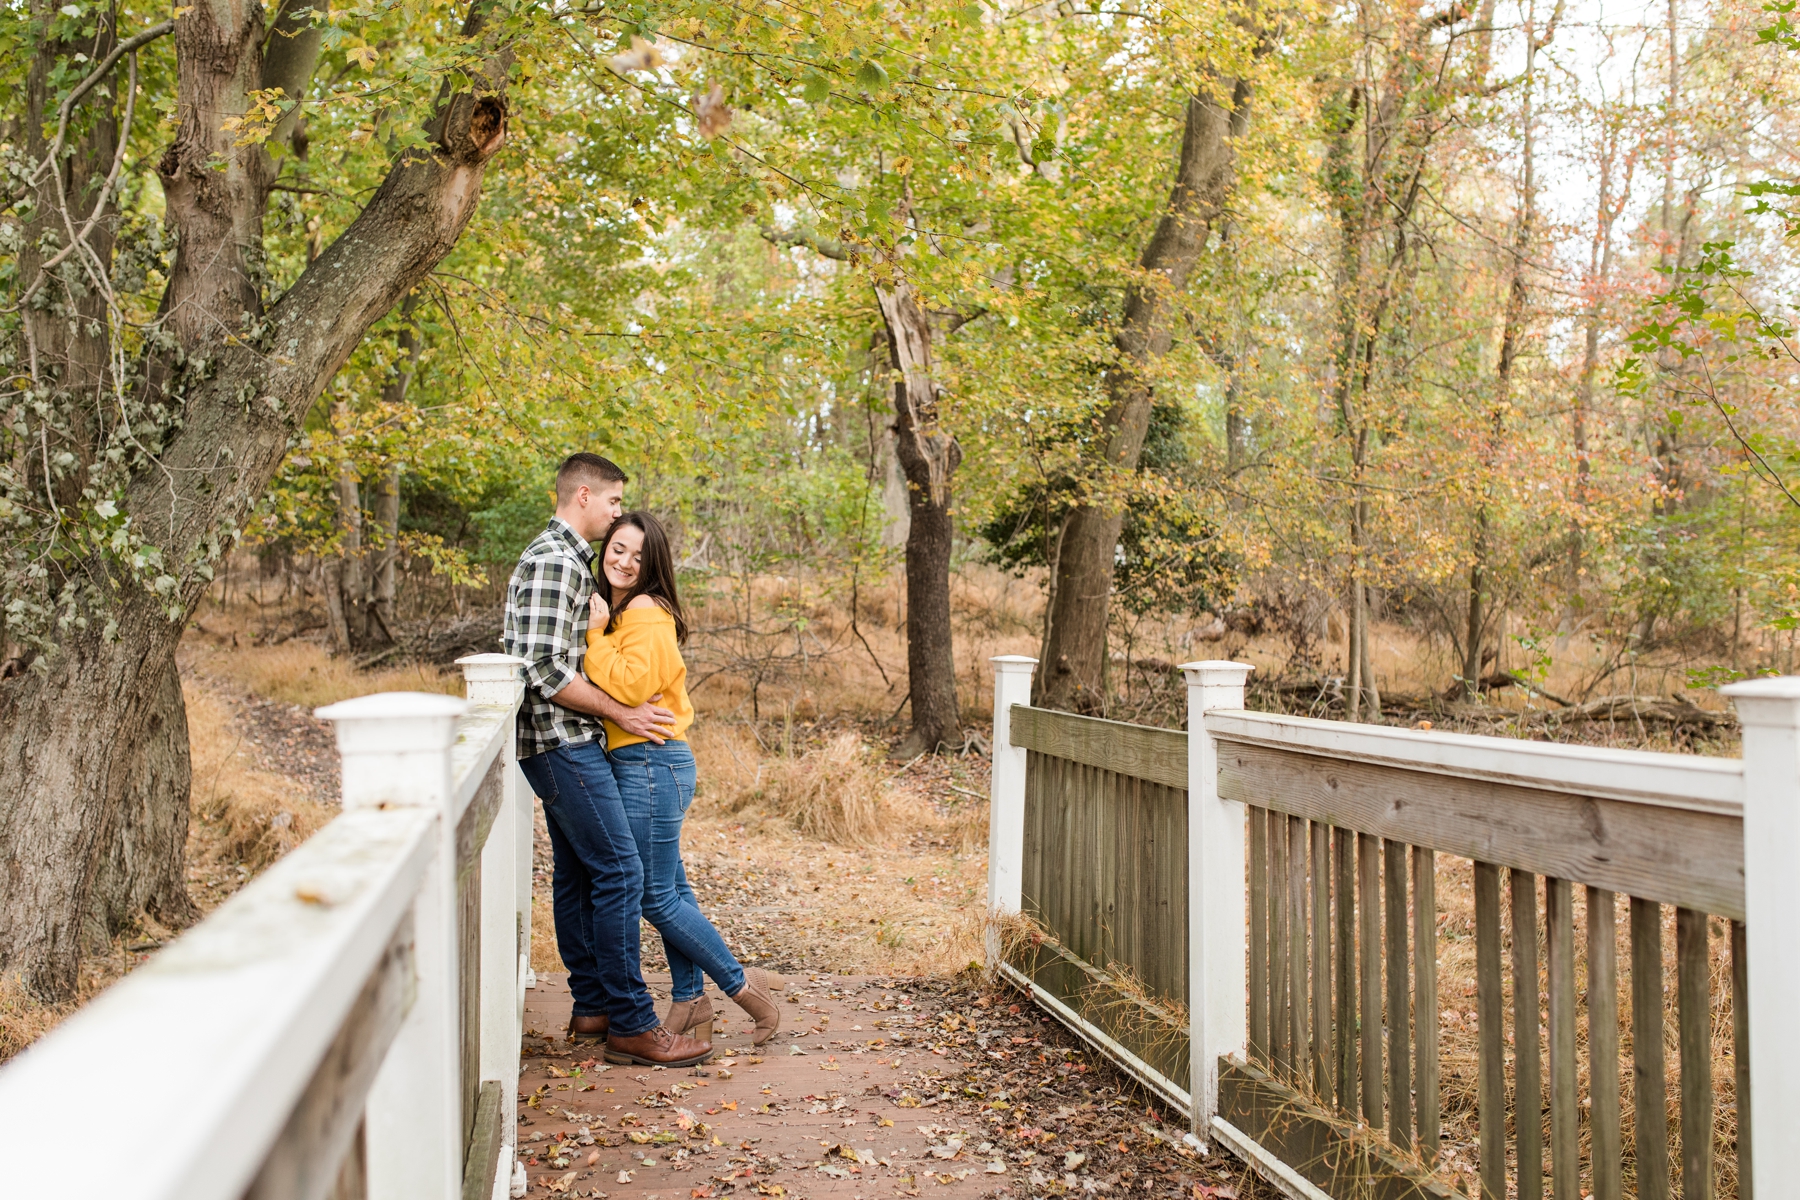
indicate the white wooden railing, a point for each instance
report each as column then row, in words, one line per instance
column 1704, row 835
column 348, row 1024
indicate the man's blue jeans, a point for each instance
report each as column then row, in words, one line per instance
column 657, row 785
column 598, row 886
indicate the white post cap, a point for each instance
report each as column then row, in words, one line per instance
column 1012, row 663
column 491, row 678
column 1766, row 702
column 1217, row 670
column 394, row 722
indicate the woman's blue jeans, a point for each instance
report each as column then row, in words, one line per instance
column 657, row 785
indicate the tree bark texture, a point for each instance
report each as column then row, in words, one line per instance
column 247, row 378
column 928, row 458
column 142, row 865
column 1074, row 672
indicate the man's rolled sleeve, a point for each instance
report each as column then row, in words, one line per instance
column 544, row 629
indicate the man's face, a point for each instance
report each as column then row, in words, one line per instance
column 598, row 508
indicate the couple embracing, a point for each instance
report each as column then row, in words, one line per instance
column 602, row 741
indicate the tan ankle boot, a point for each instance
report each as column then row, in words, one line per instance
column 756, row 1000
column 691, row 1017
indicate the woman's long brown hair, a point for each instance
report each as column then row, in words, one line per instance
column 656, row 571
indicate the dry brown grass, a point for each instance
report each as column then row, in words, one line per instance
column 903, row 896
column 304, row 673
column 242, row 817
column 23, row 1017
column 834, row 792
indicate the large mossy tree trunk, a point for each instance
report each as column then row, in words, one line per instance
column 67, row 777
column 1073, row 675
column 139, row 854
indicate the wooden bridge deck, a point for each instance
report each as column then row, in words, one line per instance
column 914, row 1101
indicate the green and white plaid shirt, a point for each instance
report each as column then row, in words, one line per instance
column 546, row 625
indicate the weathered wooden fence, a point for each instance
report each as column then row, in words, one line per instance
column 348, row 1024
column 1245, row 916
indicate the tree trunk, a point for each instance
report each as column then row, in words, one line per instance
column 63, row 781
column 1074, row 671
column 143, row 858
column 385, row 585
column 1600, row 256
column 1512, row 331
column 928, row 458
column 346, row 576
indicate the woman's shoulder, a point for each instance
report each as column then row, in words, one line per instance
column 649, row 605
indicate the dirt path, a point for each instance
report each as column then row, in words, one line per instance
column 875, row 1087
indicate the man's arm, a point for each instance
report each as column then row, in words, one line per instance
column 648, row 720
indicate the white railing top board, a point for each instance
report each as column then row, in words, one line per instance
column 202, row 1052
column 1674, row 780
column 481, row 734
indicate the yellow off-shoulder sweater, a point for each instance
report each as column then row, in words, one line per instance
column 637, row 660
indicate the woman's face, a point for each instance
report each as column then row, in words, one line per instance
column 624, row 557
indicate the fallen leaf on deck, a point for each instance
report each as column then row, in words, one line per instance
column 562, row 1184
column 624, row 1176
column 795, row 1050
column 593, row 1157
column 996, row 1168
column 728, row 1104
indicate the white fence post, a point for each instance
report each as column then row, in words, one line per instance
column 1006, row 792
column 1216, row 935
column 1769, row 711
column 493, row 679
column 396, row 753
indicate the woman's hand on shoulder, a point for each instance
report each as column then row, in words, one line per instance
column 642, row 602
column 598, row 613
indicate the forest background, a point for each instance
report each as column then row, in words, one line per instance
column 1436, row 358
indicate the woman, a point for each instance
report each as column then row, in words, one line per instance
column 634, row 653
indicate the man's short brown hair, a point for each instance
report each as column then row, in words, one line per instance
column 585, row 468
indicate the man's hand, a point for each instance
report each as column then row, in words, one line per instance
column 648, row 720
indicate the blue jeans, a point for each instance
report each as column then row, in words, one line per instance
column 597, row 886
column 657, row 785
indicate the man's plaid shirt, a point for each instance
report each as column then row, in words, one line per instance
column 546, row 625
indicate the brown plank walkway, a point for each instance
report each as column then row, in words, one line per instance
column 873, row 1088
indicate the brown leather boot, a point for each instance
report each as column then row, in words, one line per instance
column 691, row 1017
column 756, row 1000
column 588, row 1029
column 656, row 1047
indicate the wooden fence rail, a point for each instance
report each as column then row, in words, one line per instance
column 1247, row 916
column 348, row 1024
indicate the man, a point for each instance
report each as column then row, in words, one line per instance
column 599, row 878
